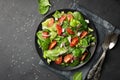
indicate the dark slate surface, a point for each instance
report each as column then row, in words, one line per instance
column 18, row 22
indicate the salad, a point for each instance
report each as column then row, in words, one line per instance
column 65, row 38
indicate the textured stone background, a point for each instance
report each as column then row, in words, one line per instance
column 19, row 20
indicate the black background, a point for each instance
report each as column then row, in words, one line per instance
column 19, row 20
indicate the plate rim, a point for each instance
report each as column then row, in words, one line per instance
column 65, row 68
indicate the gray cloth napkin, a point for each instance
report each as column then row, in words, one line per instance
column 103, row 28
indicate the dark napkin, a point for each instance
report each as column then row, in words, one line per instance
column 103, row 28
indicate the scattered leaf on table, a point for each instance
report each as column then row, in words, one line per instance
column 43, row 6
column 77, row 76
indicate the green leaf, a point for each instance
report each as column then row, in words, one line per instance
column 82, row 50
column 77, row 76
column 83, row 42
column 43, row 43
column 57, row 14
column 39, row 35
column 70, row 49
column 53, row 35
column 65, row 24
column 77, row 52
column 43, row 9
column 52, row 54
column 64, row 64
column 74, row 23
column 78, row 16
column 44, row 2
column 65, row 40
column 90, row 38
column 45, row 25
column 43, row 6
column 74, row 63
column 84, row 25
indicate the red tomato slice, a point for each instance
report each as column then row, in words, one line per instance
column 58, row 60
column 69, row 31
column 68, row 58
column 74, row 41
column 52, row 44
column 51, row 22
column 45, row 34
column 61, row 19
column 84, row 56
column 59, row 29
column 69, row 17
column 83, row 34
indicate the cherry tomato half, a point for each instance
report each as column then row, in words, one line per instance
column 59, row 29
column 58, row 60
column 61, row 19
column 68, row 58
column 52, row 44
column 74, row 41
column 69, row 31
column 83, row 34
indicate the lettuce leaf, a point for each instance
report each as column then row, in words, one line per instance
column 45, row 25
column 54, row 53
column 65, row 24
column 53, row 35
column 78, row 16
column 74, row 23
column 57, row 14
column 43, row 43
column 83, row 42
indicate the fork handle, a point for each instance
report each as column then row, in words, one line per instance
column 94, row 68
column 98, row 71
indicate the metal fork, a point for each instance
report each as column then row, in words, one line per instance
column 97, row 67
column 113, row 40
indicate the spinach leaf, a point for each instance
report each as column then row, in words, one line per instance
column 84, row 25
column 43, row 9
column 64, row 64
column 77, row 76
column 77, row 52
column 43, row 6
column 44, row 2
column 75, row 63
